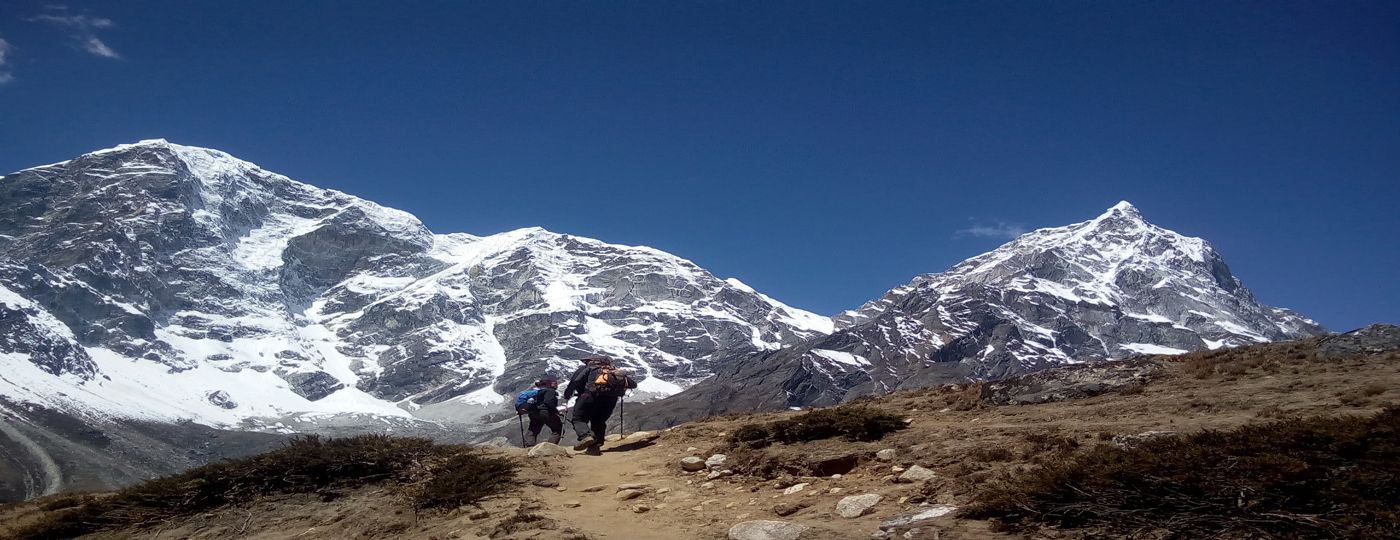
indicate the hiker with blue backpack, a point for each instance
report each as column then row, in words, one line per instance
column 598, row 387
column 541, row 405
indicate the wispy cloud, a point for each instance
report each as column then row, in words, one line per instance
column 5, row 75
column 82, row 29
column 1007, row 231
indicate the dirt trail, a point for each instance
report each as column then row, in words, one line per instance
column 51, row 478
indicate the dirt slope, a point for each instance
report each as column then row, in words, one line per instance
column 966, row 443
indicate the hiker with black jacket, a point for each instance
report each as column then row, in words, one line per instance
column 598, row 387
column 544, row 411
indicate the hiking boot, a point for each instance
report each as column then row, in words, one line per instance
column 585, row 443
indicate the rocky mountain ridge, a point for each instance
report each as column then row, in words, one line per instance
column 1105, row 289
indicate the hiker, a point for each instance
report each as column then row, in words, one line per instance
column 543, row 410
column 598, row 387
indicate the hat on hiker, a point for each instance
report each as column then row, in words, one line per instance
column 551, row 383
column 599, row 359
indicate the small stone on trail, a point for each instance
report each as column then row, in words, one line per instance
column 561, row 488
column 628, row 494
column 663, row 490
column 641, row 473
column 692, row 449
column 833, row 491
column 624, row 487
column 708, row 485
column 897, row 469
column 794, row 489
column 594, row 488
column 692, row 463
column 742, row 516
column 732, row 505
column 572, row 504
column 766, row 530
column 716, row 462
column 545, row 482
column 698, row 508
column 640, row 508
column 886, row 455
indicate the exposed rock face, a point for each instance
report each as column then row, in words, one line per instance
column 1105, row 289
column 1069, row 382
column 238, row 297
column 1369, row 340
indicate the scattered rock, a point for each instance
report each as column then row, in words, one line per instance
column 795, row 488
column 476, row 513
column 708, row 485
column 787, row 509
column 572, row 504
column 919, row 514
column 638, row 435
column 594, row 488
column 663, row 491
column 718, row 474
column 692, row 449
column 640, row 508
column 561, row 489
column 896, row 469
column 624, row 487
column 628, row 494
column 692, row 463
column 1131, row 441
column 545, row 482
column 716, row 462
column 641, row 473
column 857, row 505
column 916, row 474
column 545, row 449
column 766, row 530
column 834, row 490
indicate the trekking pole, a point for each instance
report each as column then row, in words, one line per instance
column 621, row 416
column 521, row 418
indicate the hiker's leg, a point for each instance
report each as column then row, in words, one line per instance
column 580, row 417
column 555, row 425
column 533, row 432
column 602, row 409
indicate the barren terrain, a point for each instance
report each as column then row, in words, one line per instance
column 966, row 442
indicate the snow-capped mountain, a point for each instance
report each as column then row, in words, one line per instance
column 1108, row 288
column 168, row 283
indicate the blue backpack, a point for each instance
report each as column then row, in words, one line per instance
column 525, row 402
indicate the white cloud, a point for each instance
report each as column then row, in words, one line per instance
column 5, row 75
column 1007, row 231
column 82, row 29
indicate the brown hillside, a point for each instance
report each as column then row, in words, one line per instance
column 971, row 446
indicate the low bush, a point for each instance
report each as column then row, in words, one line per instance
column 456, row 475
column 850, row 422
column 1331, row 477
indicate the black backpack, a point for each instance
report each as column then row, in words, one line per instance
column 609, row 382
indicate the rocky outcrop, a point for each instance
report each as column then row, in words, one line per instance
column 1070, row 382
column 1369, row 340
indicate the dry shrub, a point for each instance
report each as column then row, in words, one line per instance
column 849, row 422
column 307, row 464
column 1328, row 477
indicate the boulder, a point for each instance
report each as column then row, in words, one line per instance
column 793, row 489
column 766, row 530
column 716, row 462
column 855, row 506
column 545, row 449
column 692, row 463
column 886, row 455
column 628, row 494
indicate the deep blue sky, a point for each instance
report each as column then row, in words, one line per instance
column 822, row 152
